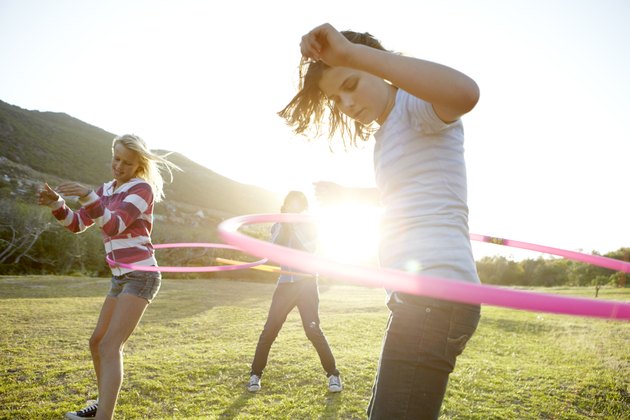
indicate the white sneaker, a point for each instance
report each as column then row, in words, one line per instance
column 254, row 383
column 88, row 412
column 334, row 383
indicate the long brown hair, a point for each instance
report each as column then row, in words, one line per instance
column 309, row 108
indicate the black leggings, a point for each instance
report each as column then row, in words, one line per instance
column 305, row 295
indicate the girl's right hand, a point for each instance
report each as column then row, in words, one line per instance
column 327, row 44
column 46, row 195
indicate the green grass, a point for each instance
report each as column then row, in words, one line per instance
column 190, row 356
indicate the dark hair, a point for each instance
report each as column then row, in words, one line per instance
column 309, row 106
column 297, row 196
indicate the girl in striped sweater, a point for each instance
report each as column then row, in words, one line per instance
column 123, row 210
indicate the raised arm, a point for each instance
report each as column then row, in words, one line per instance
column 451, row 92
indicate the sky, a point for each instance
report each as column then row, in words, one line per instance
column 547, row 146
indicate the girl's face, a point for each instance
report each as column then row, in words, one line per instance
column 360, row 95
column 125, row 164
column 293, row 205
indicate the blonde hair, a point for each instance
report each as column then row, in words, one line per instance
column 150, row 164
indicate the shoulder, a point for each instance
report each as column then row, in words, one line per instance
column 306, row 232
column 106, row 188
column 137, row 185
column 421, row 113
column 138, row 192
column 275, row 228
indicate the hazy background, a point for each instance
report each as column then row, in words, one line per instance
column 547, row 146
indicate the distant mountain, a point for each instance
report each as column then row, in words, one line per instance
column 37, row 146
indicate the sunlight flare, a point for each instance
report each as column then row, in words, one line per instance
column 349, row 233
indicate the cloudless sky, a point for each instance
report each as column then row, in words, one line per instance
column 547, row 147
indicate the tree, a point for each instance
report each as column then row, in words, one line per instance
column 499, row 270
column 21, row 227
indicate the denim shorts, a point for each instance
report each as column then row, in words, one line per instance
column 144, row 284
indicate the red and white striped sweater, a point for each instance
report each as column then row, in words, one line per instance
column 125, row 217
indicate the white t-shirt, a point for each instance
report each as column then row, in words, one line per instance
column 421, row 175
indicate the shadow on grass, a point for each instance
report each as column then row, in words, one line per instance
column 334, row 402
column 529, row 326
column 179, row 297
column 237, row 405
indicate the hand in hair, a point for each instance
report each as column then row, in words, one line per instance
column 327, row 44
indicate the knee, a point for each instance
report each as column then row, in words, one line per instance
column 267, row 335
column 109, row 350
column 271, row 330
column 312, row 330
column 95, row 342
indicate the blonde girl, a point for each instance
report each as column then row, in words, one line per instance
column 123, row 210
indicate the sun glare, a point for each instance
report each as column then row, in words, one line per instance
column 349, row 233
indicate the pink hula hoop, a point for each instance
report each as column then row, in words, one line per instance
column 205, row 269
column 439, row 288
column 598, row 260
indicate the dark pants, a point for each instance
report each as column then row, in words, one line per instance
column 305, row 296
column 424, row 337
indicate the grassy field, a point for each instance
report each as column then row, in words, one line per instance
column 190, row 356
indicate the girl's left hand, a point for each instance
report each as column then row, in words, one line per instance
column 73, row 188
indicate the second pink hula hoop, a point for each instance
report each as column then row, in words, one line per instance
column 439, row 288
column 188, row 269
column 598, row 260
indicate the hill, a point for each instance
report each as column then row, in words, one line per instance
column 37, row 146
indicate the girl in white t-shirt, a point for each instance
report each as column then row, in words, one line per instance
column 350, row 85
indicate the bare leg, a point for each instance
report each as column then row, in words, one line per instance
column 99, row 331
column 126, row 315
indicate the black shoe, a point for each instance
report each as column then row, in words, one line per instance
column 88, row 412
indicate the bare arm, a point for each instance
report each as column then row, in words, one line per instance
column 331, row 193
column 451, row 92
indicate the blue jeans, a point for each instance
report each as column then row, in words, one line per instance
column 424, row 337
column 305, row 295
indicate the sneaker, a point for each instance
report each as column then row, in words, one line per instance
column 334, row 383
column 88, row 412
column 254, row 383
